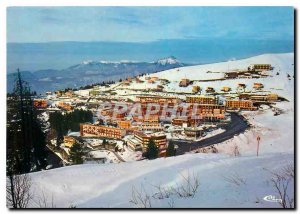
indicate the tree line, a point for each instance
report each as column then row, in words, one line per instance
column 25, row 146
column 90, row 86
column 64, row 122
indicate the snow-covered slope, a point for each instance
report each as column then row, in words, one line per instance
column 112, row 185
column 276, row 132
column 283, row 65
column 199, row 72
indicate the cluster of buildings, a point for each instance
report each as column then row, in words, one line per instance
column 138, row 130
column 253, row 71
column 192, row 111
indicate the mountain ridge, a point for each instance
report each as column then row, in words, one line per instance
column 90, row 72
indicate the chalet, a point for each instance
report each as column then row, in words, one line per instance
column 126, row 82
column 184, row 82
column 137, row 80
column 231, row 75
column 151, row 81
column 69, row 93
column 225, row 89
column 241, row 85
column 196, row 89
column 164, row 81
column 154, row 78
column 210, row 90
column 257, row 85
column 159, row 88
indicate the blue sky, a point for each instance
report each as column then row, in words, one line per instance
column 139, row 24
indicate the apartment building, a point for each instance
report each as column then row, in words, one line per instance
column 154, row 127
column 201, row 99
column 260, row 67
column 159, row 139
column 240, row 104
column 156, row 99
column 90, row 130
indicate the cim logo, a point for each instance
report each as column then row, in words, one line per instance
column 272, row 198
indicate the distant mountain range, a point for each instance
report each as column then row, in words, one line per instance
column 90, row 72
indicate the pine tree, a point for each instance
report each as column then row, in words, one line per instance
column 25, row 138
column 152, row 150
column 171, row 151
column 59, row 139
column 25, row 142
column 76, row 153
column 104, row 143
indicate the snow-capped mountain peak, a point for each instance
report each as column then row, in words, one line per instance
column 168, row 60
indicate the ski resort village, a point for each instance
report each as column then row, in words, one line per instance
column 183, row 137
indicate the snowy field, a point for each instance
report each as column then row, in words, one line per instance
column 111, row 185
column 225, row 180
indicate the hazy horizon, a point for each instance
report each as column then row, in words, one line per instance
column 60, row 55
column 58, row 37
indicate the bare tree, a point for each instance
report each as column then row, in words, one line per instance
column 235, row 179
column 18, row 191
column 189, row 187
column 43, row 202
column 162, row 192
column 236, row 151
column 171, row 203
column 140, row 198
column 282, row 181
